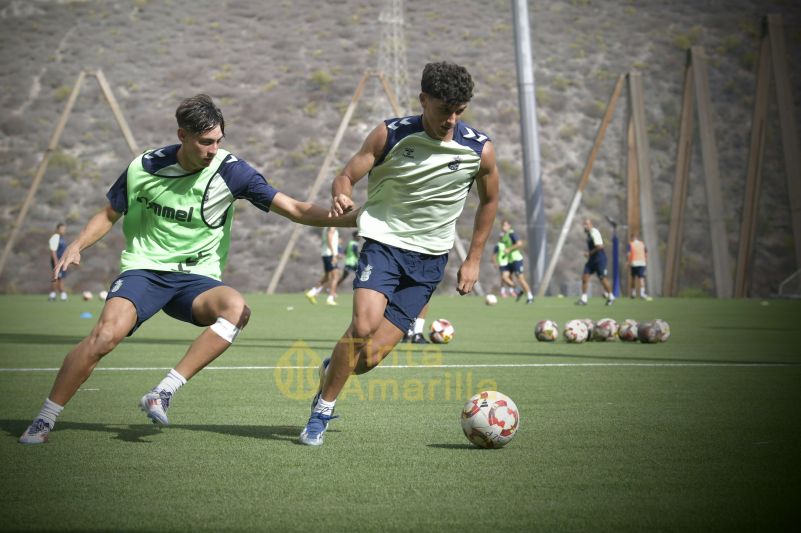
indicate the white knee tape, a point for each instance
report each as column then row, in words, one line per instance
column 225, row 329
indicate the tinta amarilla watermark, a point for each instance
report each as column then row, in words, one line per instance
column 297, row 375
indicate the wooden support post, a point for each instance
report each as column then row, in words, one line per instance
column 677, row 206
column 647, row 210
column 714, row 199
column 321, row 175
column 632, row 191
column 753, row 178
column 115, row 109
column 40, row 170
column 789, row 130
column 585, row 176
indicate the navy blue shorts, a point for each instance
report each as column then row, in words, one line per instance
column 504, row 268
column 406, row 278
column 152, row 290
column 515, row 267
column 61, row 275
column 328, row 263
column 596, row 264
column 638, row 272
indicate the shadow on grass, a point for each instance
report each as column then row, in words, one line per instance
column 38, row 338
column 451, row 446
column 137, row 433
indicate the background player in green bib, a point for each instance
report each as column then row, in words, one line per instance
column 178, row 203
column 501, row 261
column 515, row 266
column 421, row 169
column 351, row 257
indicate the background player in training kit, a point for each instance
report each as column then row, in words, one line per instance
column 596, row 264
column 421, row 169
column 178, row 207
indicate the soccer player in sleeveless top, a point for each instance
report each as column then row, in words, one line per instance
column 421, row 169
column 178, row 205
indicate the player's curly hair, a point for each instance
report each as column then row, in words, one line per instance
column 198, row 114
column 448, row 82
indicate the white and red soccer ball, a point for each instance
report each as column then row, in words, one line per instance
column 605, row 330
column 490, row 299
column 628, row 330
column 442, row 331
column 576, row 331
column 490, row 419
column 546, row 331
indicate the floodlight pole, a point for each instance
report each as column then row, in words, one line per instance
column 532, row 178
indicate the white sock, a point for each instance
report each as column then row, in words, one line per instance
column 52, row 295
column 419, row 323
column 172, row 382
column 324, row 407
column 529, row 295
column 642, row 292
column 584, row 297
column 50, row 411
column 610, row 296
column 63, row 295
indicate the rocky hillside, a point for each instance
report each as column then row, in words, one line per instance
column 283, row 71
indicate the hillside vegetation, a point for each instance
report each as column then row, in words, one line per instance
column 284, row 71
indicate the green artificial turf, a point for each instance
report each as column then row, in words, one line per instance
column 700, row 433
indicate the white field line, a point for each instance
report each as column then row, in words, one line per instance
column 421, row 367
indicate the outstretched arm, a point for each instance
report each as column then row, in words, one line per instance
column 358, row 166
column 310, row 214
column 95, row 229
column 488, row 183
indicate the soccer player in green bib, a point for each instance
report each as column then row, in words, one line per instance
column 421, row 169
column 178, row 204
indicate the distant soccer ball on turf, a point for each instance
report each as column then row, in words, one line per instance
column 664, row 329
column 490, row 419
column 102, row 295
column 575, row 331
column 490, row 299
column 87, row 295
column 605, row 330
column 442, row 331
column 590, row 327
column 628, row 331
column 546, row 330
column 647, row 332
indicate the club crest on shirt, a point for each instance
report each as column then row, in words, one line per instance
column 366, row 273
column 454, row 165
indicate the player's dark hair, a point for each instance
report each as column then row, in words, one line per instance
column 60, row 224
column 448, row 82
column 198, row 114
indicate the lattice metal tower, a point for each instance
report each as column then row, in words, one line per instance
column 392, row 52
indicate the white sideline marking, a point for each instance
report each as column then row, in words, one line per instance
column 403, row 367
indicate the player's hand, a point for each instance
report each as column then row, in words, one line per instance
column 467, row 277
column 71, row 256
column 341, row 204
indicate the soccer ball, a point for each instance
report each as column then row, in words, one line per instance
column 546, row 330
column 87, row 295
column 102, row 295
column 490, row 299
column 442, row 331
column 647, row 332
column 575, row 331
column 605, row 330
column 490, row 419
column 628, row 331
column 590, row 325
column 664, row 329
